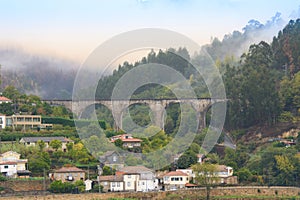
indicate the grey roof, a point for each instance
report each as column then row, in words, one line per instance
column 45, row 139
column 108, row 153
column 136, row 169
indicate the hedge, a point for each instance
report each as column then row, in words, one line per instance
column 14, row 136
column 70, row 122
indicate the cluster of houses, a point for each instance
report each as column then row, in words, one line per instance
column 13, row 167
column 126, row 178
column 140, row 178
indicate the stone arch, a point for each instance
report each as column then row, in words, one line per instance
column 170, row 122
column 92, row 110
column 157, row 106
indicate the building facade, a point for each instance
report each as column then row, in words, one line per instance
column 68, row 174
column 33, row 141
column 175, row 180
column 12, row 166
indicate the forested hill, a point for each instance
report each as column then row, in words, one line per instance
column 52, row 78
column 263, row 85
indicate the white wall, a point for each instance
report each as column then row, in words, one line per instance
column 11, row 170
column 2, row 121
column 130, row 181
column 117, row 186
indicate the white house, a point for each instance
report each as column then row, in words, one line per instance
column 139, row 178
column 11, row 165
column 175, row 180
column 112, row 183
column 189, row 172
column 224, row 171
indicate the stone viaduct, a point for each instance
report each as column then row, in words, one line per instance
column 157, row 106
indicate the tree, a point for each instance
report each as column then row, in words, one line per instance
column 56, row 144
column 206, row 176
column 108, row 171
column 119, row 143
column 244, row 175
column 252, row 89
column 41, row 144
column 186, row 160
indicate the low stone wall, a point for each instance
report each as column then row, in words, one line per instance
column 25, row 185
column 273, row 192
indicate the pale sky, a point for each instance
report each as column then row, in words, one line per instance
column 73, row 29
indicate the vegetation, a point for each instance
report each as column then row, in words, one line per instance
column 263, row 88
column 60, row 187
column 206, row 176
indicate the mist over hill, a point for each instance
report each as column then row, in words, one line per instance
column 52, row 78
column 46, row 76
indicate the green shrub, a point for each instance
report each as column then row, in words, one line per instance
column 60, row 187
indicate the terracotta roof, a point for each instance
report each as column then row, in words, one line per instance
column 2, row 98
column 111, row 178
column 8, row 163
column 190, row 185
column 68, row 169
column 176, row 173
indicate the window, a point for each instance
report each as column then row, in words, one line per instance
column 5, row 166
column 129, row 176
column 118, row 184
column 114, row 158
column 128, row 184
column 180, row 178
column 113, row 184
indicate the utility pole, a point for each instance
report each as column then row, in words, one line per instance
column 44, row 183
column 99, row 174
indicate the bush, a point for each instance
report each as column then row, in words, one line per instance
column 3, row 178
column 60, row 187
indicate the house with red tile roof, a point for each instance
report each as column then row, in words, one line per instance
column 128, row 140
column 68, row 174
column 4, row 100
column 175, row 180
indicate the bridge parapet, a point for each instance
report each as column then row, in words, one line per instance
column 157, row 106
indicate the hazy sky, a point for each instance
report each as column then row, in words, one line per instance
column 74, row 28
